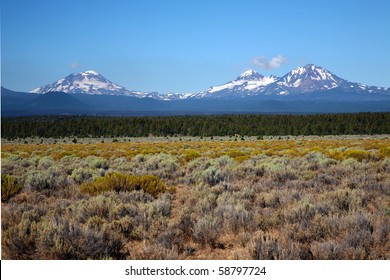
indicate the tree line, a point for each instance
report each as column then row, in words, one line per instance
column 215, row 125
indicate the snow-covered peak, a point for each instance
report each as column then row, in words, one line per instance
column 87, row 82
column 248, row 72
column 250, row 75
column 310, row 78
column 249, row 81
column 90, row 72
column 313, row 72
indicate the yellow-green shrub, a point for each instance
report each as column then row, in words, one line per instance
column 122, row 182
column 357, row 154
column 235, row 153
column 9, row 187
column 385, row 151
column 241, row 158
column 190, row 155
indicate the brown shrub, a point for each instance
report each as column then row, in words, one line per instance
column 264, row 247
column 206, row 230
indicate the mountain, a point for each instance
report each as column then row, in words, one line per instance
column 249, row 83
column 307, row 89
column 314, row 79
column 92, row 83
column 20, row 103
column 309, row 80
column 14, row 101
column 56, row 103
column 88, row 82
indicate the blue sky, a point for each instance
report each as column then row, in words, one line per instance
column 187, row 46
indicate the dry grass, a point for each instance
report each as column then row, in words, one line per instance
column 252, row 199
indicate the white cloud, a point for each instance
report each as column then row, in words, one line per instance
column 275, row 62
column 74, row 65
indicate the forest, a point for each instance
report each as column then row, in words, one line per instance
column 213, row 125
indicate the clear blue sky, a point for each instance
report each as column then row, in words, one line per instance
column 187, row 46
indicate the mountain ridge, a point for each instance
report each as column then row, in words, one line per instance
column 301, row 80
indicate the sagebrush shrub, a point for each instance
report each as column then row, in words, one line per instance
column 45, row 163
column 81, row 175
column 264, row 247
column 327, row 250
column 60, row 238
column 345, row 199
column 45, row 180
column 211, row 171
column 97, row 162
column 207, row 230
column 290, row 200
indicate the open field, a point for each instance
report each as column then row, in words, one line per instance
column 196, row 198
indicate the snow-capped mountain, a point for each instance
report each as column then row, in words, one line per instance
column 309, row 78
column 248, row 83
column 302, row 80
column 88, row 82
column 307, row 89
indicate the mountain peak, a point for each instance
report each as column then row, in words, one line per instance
column 307, row 68
column 90, row 72
column 250, row 75
column 310, row 78
column 87, row 82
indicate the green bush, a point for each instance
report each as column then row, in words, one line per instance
column 9, row 187
column 122, row 182
column 80, row 175
column 45, row 162
column 97, row 162
column 211, row 171
column 162, row 165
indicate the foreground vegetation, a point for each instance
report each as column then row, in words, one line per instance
column 215, row 199
column 230, row 125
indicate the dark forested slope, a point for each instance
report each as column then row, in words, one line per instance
column 251, row 125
